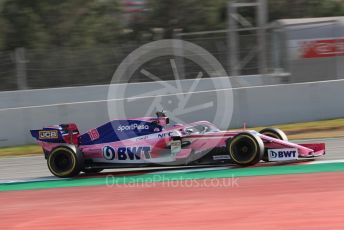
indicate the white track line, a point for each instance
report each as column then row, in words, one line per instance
column 324, row 162
column 193, row 170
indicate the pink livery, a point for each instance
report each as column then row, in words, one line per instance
column 151, row 141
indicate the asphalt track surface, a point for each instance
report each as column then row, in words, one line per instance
column 34, row 167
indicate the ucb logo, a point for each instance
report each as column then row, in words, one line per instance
column 283, row 154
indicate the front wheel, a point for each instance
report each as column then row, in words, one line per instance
column 275, row 133
column 64, row 162
column 245, row 149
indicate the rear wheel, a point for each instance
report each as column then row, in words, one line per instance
column 275, row 133
column 245, row 149
column 64, row 162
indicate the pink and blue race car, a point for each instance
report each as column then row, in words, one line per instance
column 151, row 141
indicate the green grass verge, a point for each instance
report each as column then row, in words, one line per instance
column 313, row 125
column 314, row 129
column 21, row 150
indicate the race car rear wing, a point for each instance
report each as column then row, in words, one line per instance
column 50, row 135
column 64, row 133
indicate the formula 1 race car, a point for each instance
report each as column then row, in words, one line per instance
column 150, row 141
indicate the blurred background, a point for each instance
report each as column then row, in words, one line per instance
column 58, row 57
column 61, row 43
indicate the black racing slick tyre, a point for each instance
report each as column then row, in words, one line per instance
column 64, row 162
column 245, row 149
column 275, row 133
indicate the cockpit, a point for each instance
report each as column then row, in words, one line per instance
column 200, row 128
column 162, row 119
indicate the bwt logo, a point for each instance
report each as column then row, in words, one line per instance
column 126, row 153
column 283, row 154
column 132, row 127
